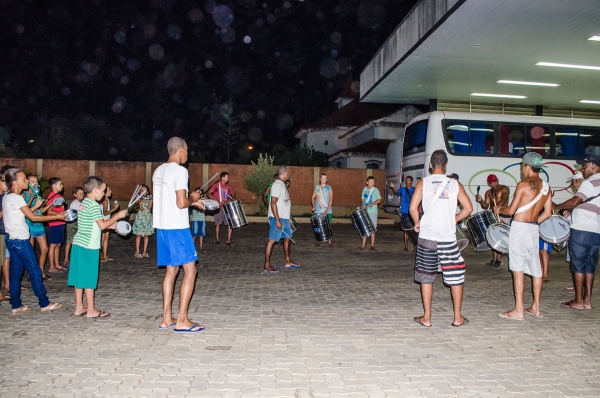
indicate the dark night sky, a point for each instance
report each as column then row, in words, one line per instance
column 164, row 68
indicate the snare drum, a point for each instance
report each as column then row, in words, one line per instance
column 477, row 226
column 211, row 207
column 461, row 239
column 362, row 223
column 123, row 228
column 321, row 228
column 555, row 229
column 293, row 224
column 235, row 215
column 497, row 237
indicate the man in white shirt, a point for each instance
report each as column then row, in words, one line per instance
column 279, row 222
column 584, row 241
column 175, row 246
column 437, row 236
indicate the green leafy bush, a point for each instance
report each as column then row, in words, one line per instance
column 261, row 176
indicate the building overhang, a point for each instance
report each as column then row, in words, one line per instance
column 452, row 49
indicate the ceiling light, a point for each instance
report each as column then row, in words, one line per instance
column 589, row 102
column 498, row 95
column 594, row 38
column 528, row 83
column 575, row 66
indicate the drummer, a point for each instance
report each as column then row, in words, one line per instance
column 405, row 197
column 497, row 195
column 531, row 196
column 370, row 199
column 222, row 193
column 280, row 208
column 322, row 200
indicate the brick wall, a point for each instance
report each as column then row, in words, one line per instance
column 122, row 177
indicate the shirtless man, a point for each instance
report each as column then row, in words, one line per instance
column 500, row 194
column 531, row 196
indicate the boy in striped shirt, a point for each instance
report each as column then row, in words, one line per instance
column 85, row 255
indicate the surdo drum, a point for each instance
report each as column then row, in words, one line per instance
column 477, row 226
column 293, row 224
column 235, row 215
column 461, row 239
column 362, row 223
column 321, row 228
column 497, row 237
column 556, row 229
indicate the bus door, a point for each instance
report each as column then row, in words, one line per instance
column 393, row 174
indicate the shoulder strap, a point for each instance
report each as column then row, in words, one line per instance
column 408, row 193
column 369, row 197
column 438, row 192
column 545, row 188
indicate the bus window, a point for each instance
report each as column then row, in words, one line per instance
column 512, row 139
column 590, row 140
column 473, row 138
column 537, row 138
column 415, row 137
column 568, row 144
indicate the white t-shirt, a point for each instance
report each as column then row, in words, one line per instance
column 167, row 179
column 14, row 219
column 75, row 204
column 438, row 223
column 284, row 205
column 585, row 216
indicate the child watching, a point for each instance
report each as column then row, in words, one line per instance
column 72, row 226
column 107, row 210
column 36, row 229
column 370, row 199
column 85, row 256
column 56, row 234
column 17, row 241
column 142, row 226
column 199, row 223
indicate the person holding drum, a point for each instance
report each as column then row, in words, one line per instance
column 405, row 194
column 322, row 200
column 174, row 245
column 370, row 200
column 497, row 195
column 584, row 241
column 437, row 236
column 222, row 193
column 531, row 196
column 279, row 222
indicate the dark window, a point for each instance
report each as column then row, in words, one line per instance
column 414, row 137
column 338, row 164
column 468, row 137
column 373, row 165
column 326, row 142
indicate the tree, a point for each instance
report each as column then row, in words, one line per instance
column 302, row 156
column 261, row 176
column 229, row 134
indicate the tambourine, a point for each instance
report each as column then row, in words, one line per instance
column 123, row 228
column 71, row 215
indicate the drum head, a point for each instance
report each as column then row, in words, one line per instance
column 71, row 215
column 555, row 229
column 497, row 237
column 58, row 202
column 123, row 228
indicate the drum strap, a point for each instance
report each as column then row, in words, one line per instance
column 369, row 197
column 321, row 198
column 545, row 188
column 439, row 191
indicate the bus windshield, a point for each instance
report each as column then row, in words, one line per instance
column 415, row 137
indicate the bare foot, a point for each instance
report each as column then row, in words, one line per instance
column 361, row 248
column 330, row 244
column 531, row 311
column 97, row 314
column 168, row 324
column 80, row 312
column 405, row 250
column 512, row 315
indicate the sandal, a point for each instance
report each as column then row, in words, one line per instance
column 138, row 255
column 51, row 307
column 22, row 309
column 145, row 255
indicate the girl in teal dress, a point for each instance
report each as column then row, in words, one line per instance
column 142, row 226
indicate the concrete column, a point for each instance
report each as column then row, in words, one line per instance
column 149, row 174
column 92, row 167
column 204, row 173
column 316, row 175
column 39, row 167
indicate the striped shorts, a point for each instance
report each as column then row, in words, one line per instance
column 431, row 254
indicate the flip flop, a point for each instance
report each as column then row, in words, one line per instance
column 59, row 272
column 5, row 302
column 420, row 322
column 229, row 243
column 528, row 310
column 293, row 266
column 190, row 330
column 506, row 315
column 51, row 307
column 270, row 272
column 100, row 315
column 22, row 309
column 82, row 314
column 464, row 322
column 166, row 328
column 568, row 305
column 145, row 255
column 138, row 255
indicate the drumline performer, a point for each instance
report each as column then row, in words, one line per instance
column 437, row 236
column 225, row 194
column 497, row 195
column 405, row 194
column 531, row 196
column 370, row 200
column 322, row 200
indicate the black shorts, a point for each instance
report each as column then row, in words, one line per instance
column 56, row 234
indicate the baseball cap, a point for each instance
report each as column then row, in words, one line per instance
column 533, row 159
column 492, row 178
column 594, row 159
column 576, row 176
column 453, row 175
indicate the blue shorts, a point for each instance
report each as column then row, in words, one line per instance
column 198, row 229
column 583, row 249
column 56, row 236
column 545, row 246
column 175, row 247
column 37, row 233
column 278, row 234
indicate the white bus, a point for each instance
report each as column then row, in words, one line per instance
column 481, row 144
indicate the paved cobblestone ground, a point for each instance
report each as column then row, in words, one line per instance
column 341, row 326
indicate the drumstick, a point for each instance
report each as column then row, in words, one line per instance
column 35, row 193
column 289, row 237
column 207, row 182
column 478, row 188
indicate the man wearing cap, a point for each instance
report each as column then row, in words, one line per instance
column 531, row 196
column 584, row 241
column 497, row 195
